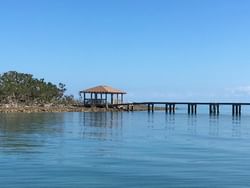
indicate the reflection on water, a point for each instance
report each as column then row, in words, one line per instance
column 236, row 127
column 28, row 131
column 192, row 125
column 25, row 132
column 123, row 149
column 101, row 125
column 170, row 123
column 214, row 126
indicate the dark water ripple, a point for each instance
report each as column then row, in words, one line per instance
column 124, row 150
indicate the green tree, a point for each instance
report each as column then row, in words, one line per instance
column 23, row 88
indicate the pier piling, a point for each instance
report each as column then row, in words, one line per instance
column 236, row 109
column 192, row 108
column 170, row 108
column 174, row 108
column 214, row 109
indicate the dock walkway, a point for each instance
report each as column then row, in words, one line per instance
column 192, row 107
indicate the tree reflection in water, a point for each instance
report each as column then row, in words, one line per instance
column 25, row 132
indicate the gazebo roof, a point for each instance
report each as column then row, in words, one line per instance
column 103, row 89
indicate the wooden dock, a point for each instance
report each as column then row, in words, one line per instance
column 192, row 107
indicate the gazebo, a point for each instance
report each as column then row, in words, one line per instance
column 100, row 95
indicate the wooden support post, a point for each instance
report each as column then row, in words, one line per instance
column 188, row 108
column 112, row 98
column 106, row 100
column 132, row 107
column 148, row 107
column 173, row 108
column 210, row 109
column 237, row 110
column 122, row 98
column 91, row 97
column 166, row 108
column 218, row 109
column 195, row 110
column 170, row 108
column 117, row 98
column 192, row 108
column 84, row 97
column 153, row 108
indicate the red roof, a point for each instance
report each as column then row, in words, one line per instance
column 103, row 89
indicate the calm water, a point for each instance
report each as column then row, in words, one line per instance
column 124, row 150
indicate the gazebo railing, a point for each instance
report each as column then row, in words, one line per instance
column 94, row 101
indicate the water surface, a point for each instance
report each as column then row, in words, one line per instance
column 124, row 150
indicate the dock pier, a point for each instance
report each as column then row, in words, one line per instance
column 214, row 109
column 192, row 107
column 170, row 108
column 236, row 109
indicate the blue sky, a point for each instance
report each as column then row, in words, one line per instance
column 154, row 49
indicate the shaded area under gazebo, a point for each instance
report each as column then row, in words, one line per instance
column 102, row 96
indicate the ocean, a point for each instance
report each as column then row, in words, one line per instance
column 124, row 149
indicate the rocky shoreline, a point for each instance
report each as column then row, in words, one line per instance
column 14, row 108
column 51, row 108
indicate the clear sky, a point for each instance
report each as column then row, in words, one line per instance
column 153, row 49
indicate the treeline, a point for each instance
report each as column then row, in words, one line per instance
column 24, row 88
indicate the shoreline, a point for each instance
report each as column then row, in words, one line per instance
column 53, row 108
column 7, row 108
